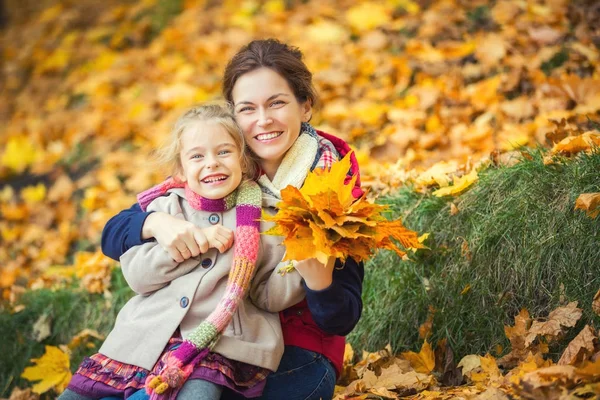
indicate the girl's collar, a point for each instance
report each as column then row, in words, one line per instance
column 217, row 205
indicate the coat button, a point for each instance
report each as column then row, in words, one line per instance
column 184, row 302
column 207, row 262
column 214, row 219
column 299, row 312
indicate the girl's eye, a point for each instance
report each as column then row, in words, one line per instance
column 224, row 152
column 196, row 156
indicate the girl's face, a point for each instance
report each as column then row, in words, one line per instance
column 269, row 114
column 210, row 160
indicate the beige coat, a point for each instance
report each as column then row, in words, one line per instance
column 171, row 295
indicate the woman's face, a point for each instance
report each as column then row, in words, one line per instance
column 269, row 114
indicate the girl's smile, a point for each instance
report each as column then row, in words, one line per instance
column 210, row 160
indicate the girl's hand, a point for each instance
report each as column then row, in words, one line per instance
column 219, row 237
column 316, row 275
column 181, row 239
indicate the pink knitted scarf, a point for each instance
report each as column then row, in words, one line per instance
column 166, row 383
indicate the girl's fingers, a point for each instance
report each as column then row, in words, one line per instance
column 201, row 241
column 175, row 254
column 192, row 247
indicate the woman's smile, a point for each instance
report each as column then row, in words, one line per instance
column 268, row 136
column 269, row 114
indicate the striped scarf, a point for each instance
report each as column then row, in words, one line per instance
column 181, row 361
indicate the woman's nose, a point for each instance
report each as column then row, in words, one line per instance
column 264, row 119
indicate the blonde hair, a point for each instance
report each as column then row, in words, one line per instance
column 168, row 155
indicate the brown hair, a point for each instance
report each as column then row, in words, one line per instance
column 270, row 53
column 168, row 154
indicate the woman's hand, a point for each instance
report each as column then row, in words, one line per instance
column 316, row 275
column 219, row 237
column 181, row 239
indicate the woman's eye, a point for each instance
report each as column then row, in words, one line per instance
column 277, row 103
column 244, row 109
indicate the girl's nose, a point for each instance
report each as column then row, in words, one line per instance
column 212, row 162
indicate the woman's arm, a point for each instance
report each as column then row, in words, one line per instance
column 336, row 309
column 132, row 227
column 123, row 231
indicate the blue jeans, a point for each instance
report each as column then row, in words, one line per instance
column 302, row 375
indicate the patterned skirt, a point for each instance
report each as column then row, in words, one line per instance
column 99, row 376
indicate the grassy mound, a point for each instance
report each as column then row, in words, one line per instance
column 68, row 311
column 516, row 242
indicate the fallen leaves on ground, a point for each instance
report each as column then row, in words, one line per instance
column 526, row 372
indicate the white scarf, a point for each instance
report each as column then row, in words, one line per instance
column 296, row 164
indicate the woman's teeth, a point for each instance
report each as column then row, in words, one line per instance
column 268, row 136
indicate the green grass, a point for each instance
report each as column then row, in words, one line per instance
column 525, row 239
column 70, row 311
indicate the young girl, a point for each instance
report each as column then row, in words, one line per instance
column 203, row 299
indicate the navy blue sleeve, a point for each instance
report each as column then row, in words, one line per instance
column 123, row 231
column 337, row 309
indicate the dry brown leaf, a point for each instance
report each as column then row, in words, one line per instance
column 490, row 373
column 383, row 392
column 41, row 328
column 491, row 393
column 590, row 203
column 23, row 394
column 596, row 303
column 580, row 348
column 552, row 327
column 453, row 209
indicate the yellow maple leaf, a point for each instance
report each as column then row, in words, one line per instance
column 424, row 361
column 459, row 186
column 19, row 154
column 52, row 370
column 367, row 16
column 323, row 220
column 34, row 194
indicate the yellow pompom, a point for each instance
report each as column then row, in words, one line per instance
column 155, row 382
column 160, row 389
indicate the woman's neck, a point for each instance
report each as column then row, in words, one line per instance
column 270, row 168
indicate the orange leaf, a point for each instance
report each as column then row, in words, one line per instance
column 424, row 361
column 590, row 203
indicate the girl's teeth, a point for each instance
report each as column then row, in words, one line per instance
column 268, row 136
column 211, row 180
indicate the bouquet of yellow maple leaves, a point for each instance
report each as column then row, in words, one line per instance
column 323, row 220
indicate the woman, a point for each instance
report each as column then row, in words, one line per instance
column 272, row 93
